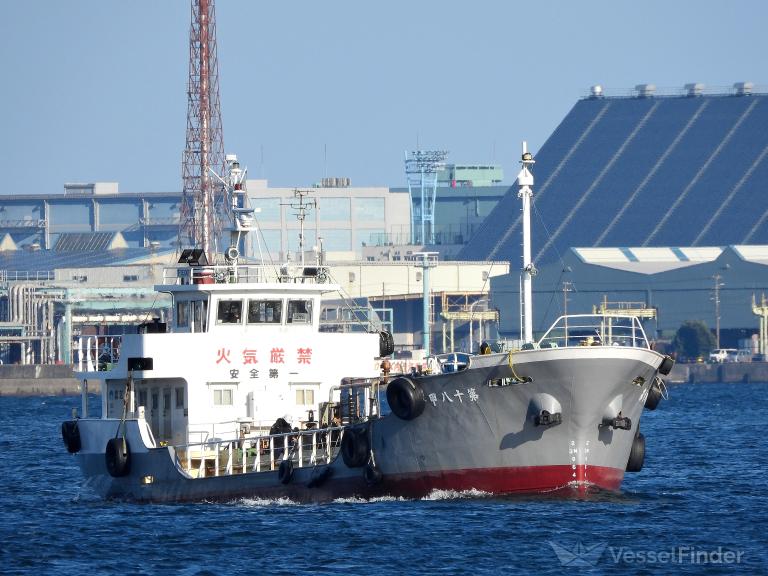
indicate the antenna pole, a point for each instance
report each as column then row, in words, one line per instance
column 525, row 182
column 301, row 214
column 204, row 149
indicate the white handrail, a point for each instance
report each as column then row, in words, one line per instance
column 213, row 448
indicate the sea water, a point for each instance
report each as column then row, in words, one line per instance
column 699, row 504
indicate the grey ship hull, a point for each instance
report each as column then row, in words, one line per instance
column 477, row 431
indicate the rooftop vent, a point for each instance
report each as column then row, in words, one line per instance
column 335, row 183
column 694, row 89
column 743, row 88
column 645, row 90
column 596, row 91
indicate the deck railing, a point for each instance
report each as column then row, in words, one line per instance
column 595, row 330
column 219, row 457
column 244, row 274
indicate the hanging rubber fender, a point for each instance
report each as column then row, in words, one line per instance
column 118, row 457
column 285, row 472
column 70, row 433
column 405, row 398
column 354, row 448
column 654, row 396
column 666, row 365
column 637, row 454
column 318, row 478
column 386, row 343
column 372, row 474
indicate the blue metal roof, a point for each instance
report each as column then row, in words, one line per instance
column 49, row 260
column 659, row 171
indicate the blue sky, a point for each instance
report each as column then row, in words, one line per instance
column 95, row 90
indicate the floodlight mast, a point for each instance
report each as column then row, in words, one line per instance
column 525, row 182
column 421, row 168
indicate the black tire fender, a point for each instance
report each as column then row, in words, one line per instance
column 318, row 478
column 666, row 365
column 354, row 447
column 70, row 433
column 636, row 454
column 285, row 471
column 654, row 397
column 405, row 398
column 118, row 457
column 372, row 474
column 386, row 343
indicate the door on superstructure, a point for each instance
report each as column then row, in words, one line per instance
column 154, row 412
column 167, row 413
column 179, row 415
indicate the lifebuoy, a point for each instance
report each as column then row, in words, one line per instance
column 285, row 472
column 372, row 474
column 405, row 398
column 71, row 436
column 354, row 447
column 637, row 454
column 118, row 457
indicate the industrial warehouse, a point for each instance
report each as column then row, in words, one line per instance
column 84, row 261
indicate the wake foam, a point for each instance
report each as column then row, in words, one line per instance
column 358, row 500
column 261, row 502
column 456, row 494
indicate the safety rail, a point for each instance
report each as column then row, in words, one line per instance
column 594, row 330
column 219, row 457
column 244, row 274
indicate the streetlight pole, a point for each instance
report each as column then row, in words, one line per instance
column 718, row 284
column 425, row 261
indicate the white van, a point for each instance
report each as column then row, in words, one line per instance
column 723, row 355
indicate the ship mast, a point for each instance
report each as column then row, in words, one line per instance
column 525, row 182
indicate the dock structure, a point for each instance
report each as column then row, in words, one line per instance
column 761, row 310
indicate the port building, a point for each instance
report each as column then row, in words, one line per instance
column 646, row 197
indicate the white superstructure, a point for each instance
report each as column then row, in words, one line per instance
column 242, row 348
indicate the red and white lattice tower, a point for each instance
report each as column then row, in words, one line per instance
column 204, row 150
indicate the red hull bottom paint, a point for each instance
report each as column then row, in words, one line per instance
column 528, row 479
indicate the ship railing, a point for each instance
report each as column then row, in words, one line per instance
column 244, row 274
column 594, row 330
column 225, row 457
column 96, row 353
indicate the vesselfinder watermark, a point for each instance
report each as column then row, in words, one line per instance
column 580, row 554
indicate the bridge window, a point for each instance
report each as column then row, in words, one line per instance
column 265, row 311
column 299, row 312
column 229, row 312
column 199, row 315
column 182, row 314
